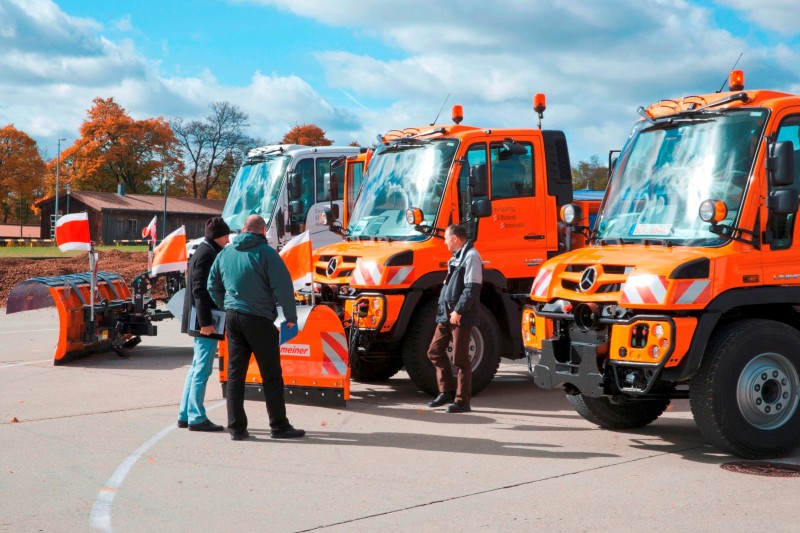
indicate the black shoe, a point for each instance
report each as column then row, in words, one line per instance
column 183, row 424
column 443, row 398
column 288, row 433
column 240, row 435
column 205, row 425
column 458, row 407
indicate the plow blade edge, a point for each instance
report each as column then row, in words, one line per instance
column 70, row 295
column 314, row 362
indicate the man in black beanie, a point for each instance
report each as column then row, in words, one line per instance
column 192, row 413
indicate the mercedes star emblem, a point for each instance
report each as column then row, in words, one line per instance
column 332, row 264
column 588, row 279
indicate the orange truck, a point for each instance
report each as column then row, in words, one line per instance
column 383, row 280
column 690, row 287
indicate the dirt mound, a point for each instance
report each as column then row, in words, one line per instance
column 128, row 264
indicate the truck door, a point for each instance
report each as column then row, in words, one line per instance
column 513, row 238
column 781, row 256
column 320, row 234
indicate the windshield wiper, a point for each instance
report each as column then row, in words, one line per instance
column 608, row 241
column 661, row 242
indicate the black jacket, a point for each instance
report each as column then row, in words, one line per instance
column 462, row 288
column 196, row 279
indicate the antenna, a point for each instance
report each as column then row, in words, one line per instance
column 732, row 68
column 440, row 110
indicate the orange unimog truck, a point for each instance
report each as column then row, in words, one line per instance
column 506, row 185
column 691, row 285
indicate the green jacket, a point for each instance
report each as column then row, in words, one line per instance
column 249, row 276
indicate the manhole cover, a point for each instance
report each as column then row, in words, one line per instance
column 763, row 468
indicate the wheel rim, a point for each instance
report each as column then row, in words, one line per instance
column 476, row 350
column 768, row 391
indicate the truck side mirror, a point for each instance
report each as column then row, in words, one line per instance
column 331, row 186
column 479, row 180
column 280, row 227
column 328, row 215
column 481, row 208
column 296, row 207
column 780, row 163
column 783, row 201
column 294, row 186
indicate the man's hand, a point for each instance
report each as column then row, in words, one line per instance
column 207, row 330
column 455, row 318
column 290, row 324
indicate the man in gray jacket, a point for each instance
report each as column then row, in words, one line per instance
column 248, row 279
column 459, row 311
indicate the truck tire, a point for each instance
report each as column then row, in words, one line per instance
column 484, row 350
column 628, row 414
column 745, row 394
column 371, row 369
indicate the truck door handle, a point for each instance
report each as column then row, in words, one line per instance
column 533, row 237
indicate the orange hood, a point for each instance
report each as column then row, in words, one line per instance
column 373, row 264
column 632, row 276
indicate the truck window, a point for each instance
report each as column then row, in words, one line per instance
column 512, row 177
column 305, row 168
column 323, row 166
column 357, row 174
column 476, row 155
column 782, row 226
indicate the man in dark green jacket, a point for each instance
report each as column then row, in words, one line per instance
column 248, row 279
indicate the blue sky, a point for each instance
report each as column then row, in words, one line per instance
column 358, row 67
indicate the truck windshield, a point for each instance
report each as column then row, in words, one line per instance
column 403, row 174
column 668, row 168
column 255, row 189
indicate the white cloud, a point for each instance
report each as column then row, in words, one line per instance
column 779, row 15
column 596, row 61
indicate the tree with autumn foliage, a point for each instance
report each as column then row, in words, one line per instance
column 214, row 149
column 22, row 173
column 306, row 134
column 115, row 149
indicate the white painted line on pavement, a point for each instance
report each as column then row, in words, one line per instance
column 28, row 363
column 100, row 518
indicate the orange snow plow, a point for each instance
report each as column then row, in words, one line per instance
column 114, row 319
column 315, row 366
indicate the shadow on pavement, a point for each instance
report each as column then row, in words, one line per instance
column 436, row 443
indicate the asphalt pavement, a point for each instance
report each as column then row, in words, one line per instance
column 92, row 445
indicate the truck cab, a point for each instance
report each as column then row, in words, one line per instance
column 505, row 185
column 690, row 287
column 286, row 185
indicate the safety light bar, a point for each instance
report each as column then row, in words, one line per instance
column 457, row 114
column 736, row 80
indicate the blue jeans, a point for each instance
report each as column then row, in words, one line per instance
column 194, row 390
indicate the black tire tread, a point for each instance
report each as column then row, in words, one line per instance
column 629, row 415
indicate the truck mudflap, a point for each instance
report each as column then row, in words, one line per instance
column 70, row 295
column 315, row 363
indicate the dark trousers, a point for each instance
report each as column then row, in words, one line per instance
column 437, row 353
column 252, row 334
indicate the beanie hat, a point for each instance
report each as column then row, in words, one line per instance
column 216, row 227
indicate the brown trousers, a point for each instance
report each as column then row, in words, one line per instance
column 437, row 353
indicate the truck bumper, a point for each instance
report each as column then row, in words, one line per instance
column 561, row 364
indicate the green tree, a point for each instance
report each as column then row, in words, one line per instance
column 590, row 174
column 22, row 175
column 214, row 149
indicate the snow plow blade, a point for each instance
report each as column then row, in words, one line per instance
column 70, row 295
column 314, row 363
